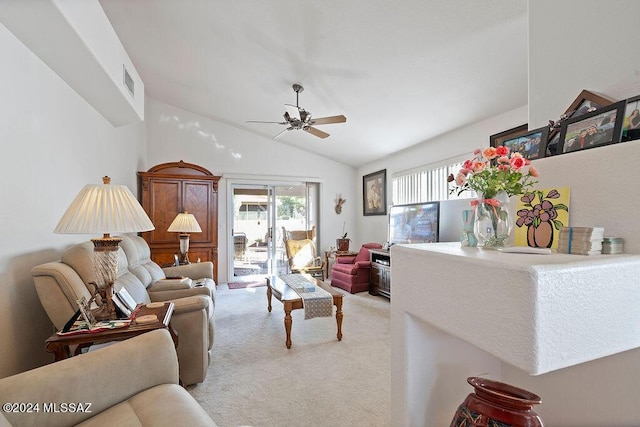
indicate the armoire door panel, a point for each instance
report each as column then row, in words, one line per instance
column 197, row 201
column 165, row 205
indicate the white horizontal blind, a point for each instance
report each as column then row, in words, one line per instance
column 427, row 185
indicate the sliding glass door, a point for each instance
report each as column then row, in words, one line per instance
column 260, row 212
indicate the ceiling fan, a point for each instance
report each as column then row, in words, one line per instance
column 297, row 118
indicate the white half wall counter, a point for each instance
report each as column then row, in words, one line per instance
column 458, row 312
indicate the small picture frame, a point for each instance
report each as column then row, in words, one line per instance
column 631, row 124
column 531, row 144
column 86, row 312
column 497, row 139
column 594, row 129
column 374, row 193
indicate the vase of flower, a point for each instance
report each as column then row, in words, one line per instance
column 495, row 174
column 497, row 404
column 492, row 226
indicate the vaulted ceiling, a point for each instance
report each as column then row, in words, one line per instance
column 402, row 72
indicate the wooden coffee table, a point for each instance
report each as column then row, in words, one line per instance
column 59, row 344
column 292, row 301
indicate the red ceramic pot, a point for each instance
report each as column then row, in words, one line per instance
column 496, row 404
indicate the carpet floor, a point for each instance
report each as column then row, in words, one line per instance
column 254, row 380
column 251, row 281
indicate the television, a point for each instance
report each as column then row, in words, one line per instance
column 414, row 223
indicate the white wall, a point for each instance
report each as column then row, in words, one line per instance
column 174, row 134
column 53, row 143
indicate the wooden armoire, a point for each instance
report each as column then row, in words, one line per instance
column 170, row 188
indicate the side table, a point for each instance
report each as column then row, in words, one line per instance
column 334, row 254
column 60, row 345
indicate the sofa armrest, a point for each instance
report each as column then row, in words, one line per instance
column 88, row 379
column 170, row 285
column 197, row 270
column 194, row 303
column 363, row 264
column 167, row 295
column 346, row 259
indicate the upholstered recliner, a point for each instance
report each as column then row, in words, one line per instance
column 117, row 385
column 155, row 279
column 60, row 284
column 353, row 273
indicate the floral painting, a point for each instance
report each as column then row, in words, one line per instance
column 539, row 216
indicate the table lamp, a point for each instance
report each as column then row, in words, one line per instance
column 104, row 209
column 184, row 223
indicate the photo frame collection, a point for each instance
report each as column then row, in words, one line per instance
column 592, row 120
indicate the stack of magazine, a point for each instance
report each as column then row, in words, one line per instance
column 581, row 240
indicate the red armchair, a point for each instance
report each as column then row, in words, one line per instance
column 352, row 273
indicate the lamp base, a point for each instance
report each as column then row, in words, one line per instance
column 184, row 258
column 106, row 311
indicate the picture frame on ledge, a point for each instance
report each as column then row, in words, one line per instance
column 531, row 144
column 585, row 102
column 595, row 129
column 631, row 124
column 497, row 139
column 374, row 193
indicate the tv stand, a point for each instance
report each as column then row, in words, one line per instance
column 380, row 272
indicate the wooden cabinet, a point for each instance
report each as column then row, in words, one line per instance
column 170, row 188
column 380, row 273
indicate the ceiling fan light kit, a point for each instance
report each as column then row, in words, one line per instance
column 297, row 118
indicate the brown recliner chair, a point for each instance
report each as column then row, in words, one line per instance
column 60, row 284
column 353, row 273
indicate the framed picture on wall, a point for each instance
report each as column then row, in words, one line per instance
column 631, row 124
column 600, row 127
column 374, row 193
column 532, row 144
column 497, row 139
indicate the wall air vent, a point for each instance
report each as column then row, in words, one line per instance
column 128, row 81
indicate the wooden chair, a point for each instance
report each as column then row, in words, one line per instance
column 299, row 234
column 301, row 252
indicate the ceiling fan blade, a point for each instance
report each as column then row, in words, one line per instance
column 258, row 121
column 328, row 120
column 316, row 132
column 280, row 133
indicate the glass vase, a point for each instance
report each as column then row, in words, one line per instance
column 493, row 223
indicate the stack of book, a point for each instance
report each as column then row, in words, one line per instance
column 580, row 240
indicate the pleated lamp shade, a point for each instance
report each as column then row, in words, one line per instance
column 104, row 209
column 185, row 223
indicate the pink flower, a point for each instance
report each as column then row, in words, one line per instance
column 533, row 171
column 502, row 150
column 465, row 171
column 460, row 179
column 476, row 151
column 489, row 153
column 503, row 159
column 517, row 161
column 468, row 164
column 478, row 166
column 503, row 167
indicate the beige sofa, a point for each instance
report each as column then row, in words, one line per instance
column 60, row 284
column 134, row 382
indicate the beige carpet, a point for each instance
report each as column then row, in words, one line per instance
column 255, row 381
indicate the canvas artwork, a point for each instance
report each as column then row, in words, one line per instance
column 540, row 215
